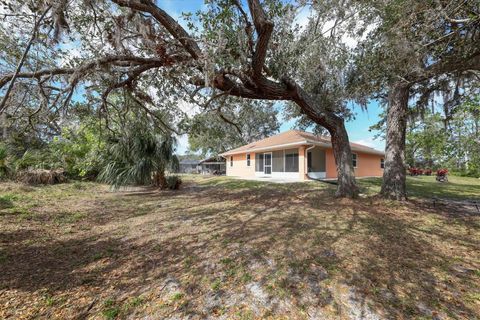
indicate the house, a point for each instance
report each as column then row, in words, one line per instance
column 212, row 165
column 189, row 166
column 298, row 155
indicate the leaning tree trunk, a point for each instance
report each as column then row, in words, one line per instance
column 394, row 174
column 342, row 152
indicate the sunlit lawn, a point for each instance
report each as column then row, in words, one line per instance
column 235, row 249
column 459, row 188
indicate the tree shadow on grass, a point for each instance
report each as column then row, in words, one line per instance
column 55, row 265
column 404, row 275
column 292, row 243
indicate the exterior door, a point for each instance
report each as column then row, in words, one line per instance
column 267, row 163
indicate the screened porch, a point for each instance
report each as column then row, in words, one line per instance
column 285, row 163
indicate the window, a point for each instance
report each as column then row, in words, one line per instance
column 248, row 159
column 231, row 161
column 278, row 161
column 382, row 163
column 259, row 162
column 354, row 160
column 291, row 160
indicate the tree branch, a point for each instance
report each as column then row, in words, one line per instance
column 264, row 29
column 175, row 29
column 23, row 58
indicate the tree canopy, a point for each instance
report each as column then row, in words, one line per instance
column 56, row 52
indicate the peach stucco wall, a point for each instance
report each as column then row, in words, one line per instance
column 302, row 163
column 240, row 168
column 368, row 165
column 330, row 165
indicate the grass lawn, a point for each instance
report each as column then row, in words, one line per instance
column 458, row 188
column 222, row 248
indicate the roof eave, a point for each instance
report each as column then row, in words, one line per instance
column 316, row 143
column 299, row 143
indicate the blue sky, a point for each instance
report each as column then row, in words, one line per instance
column 357, row 128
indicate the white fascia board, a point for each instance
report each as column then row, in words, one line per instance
column 271, row 148
column 329, row 145
column 293, row 144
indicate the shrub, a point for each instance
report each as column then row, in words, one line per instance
column 41, row 176
column 427, row 172
column 415, row 171
column 174, row 182
column 442, row 172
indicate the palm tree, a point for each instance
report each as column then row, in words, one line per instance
column 139, row 156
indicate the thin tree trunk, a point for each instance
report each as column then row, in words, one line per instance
column 159, row 179
column 394, row 174
column 343, row 158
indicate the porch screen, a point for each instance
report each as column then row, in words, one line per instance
column 291, row 160
column 277, row 161
column 259, row 162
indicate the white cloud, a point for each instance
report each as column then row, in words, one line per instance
column 372, row 143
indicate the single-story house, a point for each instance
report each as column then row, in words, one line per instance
column 212, row 165
column 298, row 155
column 189, row 166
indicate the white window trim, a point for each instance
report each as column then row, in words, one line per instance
column 249, row 159
column 382, row 161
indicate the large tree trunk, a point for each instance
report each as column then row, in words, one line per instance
column 394, row 174
column 346, row 185
column 343, row 158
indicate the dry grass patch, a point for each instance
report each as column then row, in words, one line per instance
column 233, row 249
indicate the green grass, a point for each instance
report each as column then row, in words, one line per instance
column 133, row 303
column 459, row 188
column 6, row 201
column 68, row 217
column 110, row 309
column 238, row 184
column 177, row 296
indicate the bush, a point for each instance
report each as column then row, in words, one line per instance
column 174, row 182
column 442, row 172
column 415, row 171
column 427, row 172
column 41, row 176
